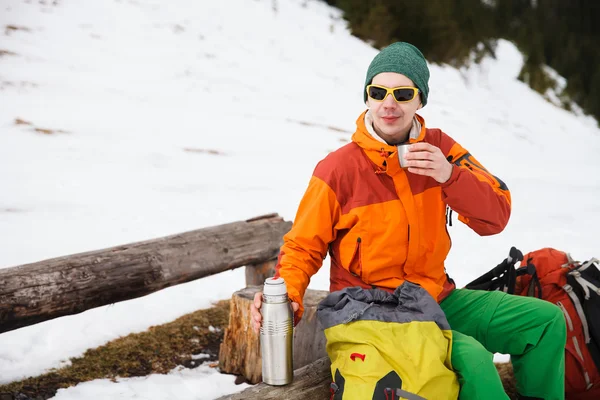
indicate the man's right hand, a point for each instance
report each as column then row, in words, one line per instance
column 255, row 311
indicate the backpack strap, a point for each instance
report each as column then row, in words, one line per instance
column 398, row 394
column 534, row 285
column 586, row 331
column 585, row 284
column 589, row 263
column 571, row 261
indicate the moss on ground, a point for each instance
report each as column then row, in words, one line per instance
column 155, row 351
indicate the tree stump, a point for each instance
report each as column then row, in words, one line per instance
column 240, row 350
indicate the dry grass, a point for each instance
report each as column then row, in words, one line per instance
column 49, row 131
column 13, row 28
column 19, row 121
column 7, row 53
column 203, row 151
column 45, row 131
column 21, row 85
column 508, row 379
column 316, row 125
column 11, row 210
column 156, row 351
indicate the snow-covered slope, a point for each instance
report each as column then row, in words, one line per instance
column 173, row 116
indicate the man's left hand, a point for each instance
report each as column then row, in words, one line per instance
column 426, row 159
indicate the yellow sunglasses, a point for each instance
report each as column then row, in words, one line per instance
column 402, row 94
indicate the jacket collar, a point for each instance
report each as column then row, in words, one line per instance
column 379, row 151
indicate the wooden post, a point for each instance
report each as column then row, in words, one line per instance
column 68, row 285
column 240, row 350
column 257, row 273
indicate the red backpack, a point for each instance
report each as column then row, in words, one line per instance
column 574, row 287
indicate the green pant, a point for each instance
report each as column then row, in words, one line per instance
column 532, row 331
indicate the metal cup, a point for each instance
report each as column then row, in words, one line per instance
column 402, row 150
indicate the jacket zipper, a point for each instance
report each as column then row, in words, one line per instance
column 359, row 240
column 446, row 227
column 357, row 254
column 448, row 217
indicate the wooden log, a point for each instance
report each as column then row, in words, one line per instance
column 240, row 350
column 257, row 273
column 312, row 381
column 309, row 338
column 52, row 288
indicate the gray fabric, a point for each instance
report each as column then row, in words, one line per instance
column 409, row 302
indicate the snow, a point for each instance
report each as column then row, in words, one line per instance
column 183, row 115
column 182, row 384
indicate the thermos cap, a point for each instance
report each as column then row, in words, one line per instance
column 274, row 287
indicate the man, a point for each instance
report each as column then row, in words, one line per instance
column 384, row 225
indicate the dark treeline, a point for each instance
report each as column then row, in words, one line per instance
column 564, row 34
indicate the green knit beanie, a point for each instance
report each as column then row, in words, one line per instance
column 402, row 58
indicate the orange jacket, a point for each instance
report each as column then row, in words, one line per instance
column 383, row 225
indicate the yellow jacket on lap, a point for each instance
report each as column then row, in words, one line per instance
column 380, row 342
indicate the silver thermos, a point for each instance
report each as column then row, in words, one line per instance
column 276, row 334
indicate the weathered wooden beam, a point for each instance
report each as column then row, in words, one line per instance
column 52, row 288
column 311, row 382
